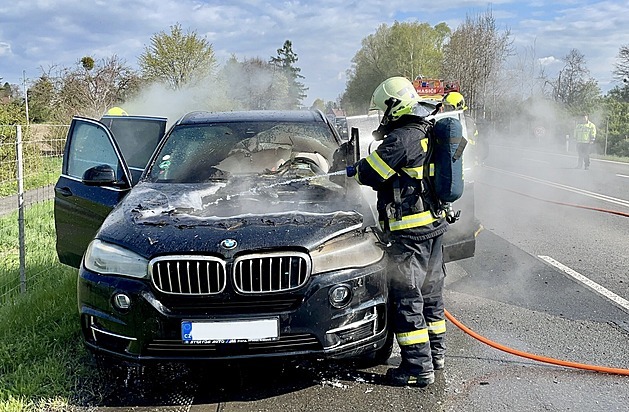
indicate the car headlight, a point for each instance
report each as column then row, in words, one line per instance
column 351, row 250
column 109, row 259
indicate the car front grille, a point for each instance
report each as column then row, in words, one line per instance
column 276, row 272
column 259, row 273
column 189, row 275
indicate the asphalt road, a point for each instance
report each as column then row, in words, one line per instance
column 544, row 222
column 9, row 204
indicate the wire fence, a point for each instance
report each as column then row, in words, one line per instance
column 30, row 164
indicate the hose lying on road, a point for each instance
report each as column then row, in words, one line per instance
column 603, row 369
column 598, row 209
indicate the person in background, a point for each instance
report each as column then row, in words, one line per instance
column 480, row 148
column 585, row 136
column 416, row 271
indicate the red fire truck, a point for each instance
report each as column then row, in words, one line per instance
column 435, row 88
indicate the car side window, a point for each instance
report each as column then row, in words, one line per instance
column 90, row 147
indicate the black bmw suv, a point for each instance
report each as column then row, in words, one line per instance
column 231, row 235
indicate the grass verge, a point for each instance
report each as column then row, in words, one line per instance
column 43, row 364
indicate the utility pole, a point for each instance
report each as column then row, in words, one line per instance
column 606, row 134
column 25, row 94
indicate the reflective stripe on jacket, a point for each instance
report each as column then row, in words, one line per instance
column 399, row 163
column 585, row 132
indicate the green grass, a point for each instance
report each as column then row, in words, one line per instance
column 42, row 173
column 43, row 364
column 612, row 158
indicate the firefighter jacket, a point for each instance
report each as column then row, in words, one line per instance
column 585, row 132
column 397, row 171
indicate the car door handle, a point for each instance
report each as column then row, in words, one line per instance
column 63, row 191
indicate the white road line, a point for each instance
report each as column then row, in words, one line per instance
column 619, row 175
column 594, row 195
column 620, row 302
column 536, row 161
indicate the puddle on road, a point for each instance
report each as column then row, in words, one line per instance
column 175, row 387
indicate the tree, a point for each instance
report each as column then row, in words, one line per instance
column 12, row 112
column 92, row 88
column 616, row 123
column 573, row 85
column 621, row 71
column 177, row 59
column 285, row 62
column 9, row 92
column 474, row 55
column 408, row 49
column 89, row 88
column 42, row 99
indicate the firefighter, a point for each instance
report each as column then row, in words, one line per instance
column 585, row 135
column 414, row 232
column 453, row 101
column 480, row 148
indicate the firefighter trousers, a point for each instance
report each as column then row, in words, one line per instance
column 416, row 275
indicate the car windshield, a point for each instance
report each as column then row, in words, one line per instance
column 215, row 151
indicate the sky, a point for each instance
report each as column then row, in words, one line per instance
column 37, row 35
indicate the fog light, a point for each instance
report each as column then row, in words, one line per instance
column 340, row 296
column 122, row 301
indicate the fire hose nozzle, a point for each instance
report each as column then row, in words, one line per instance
column 451, row 215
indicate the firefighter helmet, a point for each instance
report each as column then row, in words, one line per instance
column 116, row 111
column 398, row 88
column 454, row 101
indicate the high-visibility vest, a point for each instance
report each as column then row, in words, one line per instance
column 585, row 132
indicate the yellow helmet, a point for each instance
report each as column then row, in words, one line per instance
column 116, row 111
column 454, row 101
column 399, row 88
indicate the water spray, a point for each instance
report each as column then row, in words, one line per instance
column 276, row 184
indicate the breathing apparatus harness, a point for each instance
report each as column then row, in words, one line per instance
column 428, row 195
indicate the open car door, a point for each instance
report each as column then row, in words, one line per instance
column 94, row 178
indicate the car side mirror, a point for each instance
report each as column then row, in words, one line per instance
column 99, row 175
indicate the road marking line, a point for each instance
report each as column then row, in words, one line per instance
column 622, row 303
column 536, row 161
column 619, row 175
column 594, row 195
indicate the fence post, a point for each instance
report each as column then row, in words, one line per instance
column 20, row 205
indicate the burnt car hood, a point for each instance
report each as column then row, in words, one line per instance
column 156, row 218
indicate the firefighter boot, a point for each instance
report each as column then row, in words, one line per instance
column 402, row 377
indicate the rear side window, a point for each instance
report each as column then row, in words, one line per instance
column 136, row 138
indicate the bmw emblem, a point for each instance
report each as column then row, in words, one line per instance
column 229, row 244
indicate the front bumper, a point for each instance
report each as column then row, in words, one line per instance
column 150, row 329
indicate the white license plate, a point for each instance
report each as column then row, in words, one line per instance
column 230, row 332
